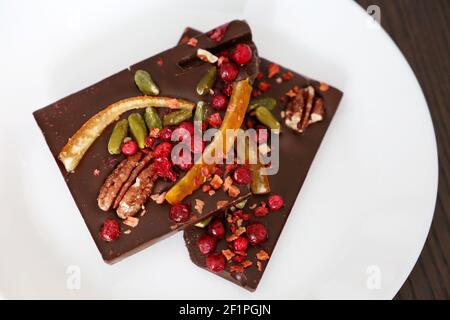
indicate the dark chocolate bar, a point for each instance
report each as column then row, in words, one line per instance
column 177, row 72
column 297, row 152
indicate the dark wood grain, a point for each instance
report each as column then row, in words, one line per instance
column 421, row 30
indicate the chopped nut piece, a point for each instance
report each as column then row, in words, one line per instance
column 221, row 204
column 216, row 182
column 318, row 111
column 207, row 56
column 253, row 206
column 240, row 231
column 206, row 187
column 264, row 149
column 233, row 191
column 259, row 265
column 192, row 42
column 235, row 268
column 131, row 221
column 262, row 255
column 278, row 80
column 239, row 222
column 128, row 231
column 211, row 192
column 231, row 238
column 324, row 86
column 227, row 183
column 247, row 263
column 96, row 172
column 228, row 254
column 199, row 204
column 159, row 198
column 310, row 93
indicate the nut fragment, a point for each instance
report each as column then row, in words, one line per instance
column 216, row 182
column 222, row 204
column 158, row 197
column 262, row 255
column 199, row 204
column 206, row 56
column 303, row 108
column 131, row 221
column 233, row 191
column 228, row 254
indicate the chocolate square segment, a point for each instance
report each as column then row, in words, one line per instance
column 297, row 152
column 177, row 72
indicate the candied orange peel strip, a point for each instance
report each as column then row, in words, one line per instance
column 234, row 116
column 72, row 153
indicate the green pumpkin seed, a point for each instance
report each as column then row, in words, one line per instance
column 145, row 83
column 119, row 133
column 152, row 118
column 138, row 129
column 176, row 117
column 266, row 102
column 267, row 118
column 206, row 83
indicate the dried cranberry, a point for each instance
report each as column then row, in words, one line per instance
column 179, row 213
column 217, row 229
column 246, row 216
column 261, row 211
column 162, row 150
column 242, row 175
column 207, row 244
column 215, row 120
column 240, row 244
column 219, row 102
column 228, row 71
column 238, row 259
column 263, row 86
column 184, row 131
column 110, row 230
column 215, row 262
column 238, row 214
column 242, row 54
column 275, row 202
column 188, row 126
column 227, row 89
column 149, row 142
column 163, row 168
column 129, row 148
column 166, row 134
column 218, row 33
column 256, row 233
column 183, row 161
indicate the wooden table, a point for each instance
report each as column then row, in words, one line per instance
column 421, row 30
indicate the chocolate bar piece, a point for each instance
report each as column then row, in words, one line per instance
column 297, row 152
column 177, row 72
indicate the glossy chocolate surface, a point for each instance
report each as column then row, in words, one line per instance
column 297, row 152
column 176, row 72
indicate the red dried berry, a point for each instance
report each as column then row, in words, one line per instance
column 242, row 54
column 263, row 86
column 228, row 71
column 273, row 70
column 166, row 134
column 179, row 213
column 238, row 259
column 188, row 126
column 288, row 75
column 256, row 233
column 163, row 169
column 246, row 216
column 218, row 33
column 238, row 214
column 219, row 102
column 110, row 230
column 184, row 131
column 242, row 175
column 260, row 75
column 129, row 148
column 215, row 120
column 240, row 244
column 216, row 229
column 215, row 262
column 227, row 89
column 275, row 202
column 149, row 142
column 261, row 211
column 207, row 244
column 162, row 150
column 183, row 161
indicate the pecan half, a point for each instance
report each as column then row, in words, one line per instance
column 132, row 178
column 303, row 109
column 137, row 194
column 112, row 185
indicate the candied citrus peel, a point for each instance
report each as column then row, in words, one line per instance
column 234, row 116
column 72, row 153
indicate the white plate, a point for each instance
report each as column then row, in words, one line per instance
column 377, row 167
